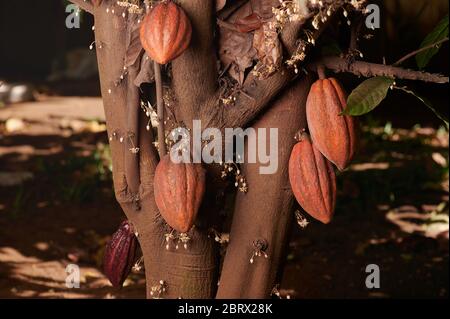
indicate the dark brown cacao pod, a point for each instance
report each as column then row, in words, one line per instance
column 313, row 181
column 120, row 254
column 179, row 189
column 334, row 135
column 165, row 32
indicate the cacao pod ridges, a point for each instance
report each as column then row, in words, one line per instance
column 312, row 180
column 120, row 254
column 333, row 134
column 179, row 190
column 166, row 32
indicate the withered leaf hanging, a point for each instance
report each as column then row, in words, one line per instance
column 236, row 49
column 133, row 46
column 269, row 48
column 249, row 23
column 264, row 7
column 146, row 73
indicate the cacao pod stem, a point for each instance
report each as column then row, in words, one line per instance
column 160, row 110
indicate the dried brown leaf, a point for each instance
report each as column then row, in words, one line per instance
column 237, row 49
column 134, row 47
column 268, row 46
column 264, row 7
column 146, row 73
column 249, row 23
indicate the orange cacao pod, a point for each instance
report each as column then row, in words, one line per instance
column 333, row 134
column 313, row 181
column 179, row 189
column 120, row 254
column 165, row 32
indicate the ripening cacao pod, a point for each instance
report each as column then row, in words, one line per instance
column 120, row 254
column 179, row 189
column 165, row 32
column 334, row 135
column 313, row 181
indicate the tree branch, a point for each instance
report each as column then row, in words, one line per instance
column 86, row 5
column 194, row 73
column 257, row 93
column 410, row 55
column 367, row 69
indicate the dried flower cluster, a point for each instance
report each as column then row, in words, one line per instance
column 240, row 181
column 181, row 238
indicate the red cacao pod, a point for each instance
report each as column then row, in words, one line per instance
column 334, row 135
column 313, row 181
column 179, row 189
column 165, row 32
column 120, row 254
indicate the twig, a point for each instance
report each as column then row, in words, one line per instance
column 367, row 69
column 410, row 55
column 160, row 110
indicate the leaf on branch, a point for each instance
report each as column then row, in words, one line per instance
column 368, row 95
column 427, row 104
column 439, row 33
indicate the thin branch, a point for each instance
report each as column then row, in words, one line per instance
column 86, row 5
column 160, row 111
column 367, row 69
column 410, row 55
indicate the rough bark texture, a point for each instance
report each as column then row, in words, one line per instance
column 265, row 212
column 188, row 273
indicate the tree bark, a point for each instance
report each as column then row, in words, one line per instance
column 188, row 273
column 266, row 211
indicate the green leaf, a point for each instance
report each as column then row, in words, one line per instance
column 368, row 95
column 427, row 104
column 439, row 33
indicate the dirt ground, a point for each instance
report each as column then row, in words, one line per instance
column 57, row 207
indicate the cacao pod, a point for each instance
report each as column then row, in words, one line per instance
column 120, row 254
column 179, row 189
column 334, row 135
column 313, row 181
column 165, row 32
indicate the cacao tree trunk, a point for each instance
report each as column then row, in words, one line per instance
column 263, row 214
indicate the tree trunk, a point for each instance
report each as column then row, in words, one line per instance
column 266, row 211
